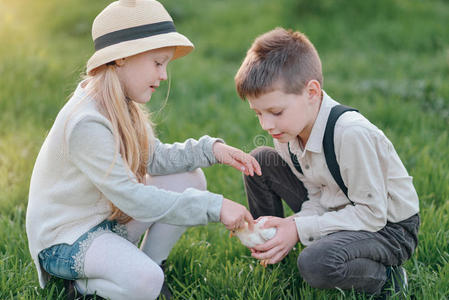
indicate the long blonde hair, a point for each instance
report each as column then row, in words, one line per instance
column 131, row 124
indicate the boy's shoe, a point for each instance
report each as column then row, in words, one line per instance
column 399, row 279
column 396, row 283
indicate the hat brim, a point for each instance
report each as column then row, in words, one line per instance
column 133, row 47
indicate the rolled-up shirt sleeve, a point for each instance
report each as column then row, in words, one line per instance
column 363, row 168
column 92, row 149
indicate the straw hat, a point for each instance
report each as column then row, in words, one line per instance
column 129, row 27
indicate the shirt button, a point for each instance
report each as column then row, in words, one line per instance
column 369, row 195
column 307, row 167
column 310, row 239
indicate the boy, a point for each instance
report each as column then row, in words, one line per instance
column 358, row 230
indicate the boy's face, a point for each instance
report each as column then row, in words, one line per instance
column 286, row 116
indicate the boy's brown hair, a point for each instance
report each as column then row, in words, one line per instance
column 279, row 59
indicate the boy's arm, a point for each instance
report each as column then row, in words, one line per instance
column 361, row 154
column 275, row 249
column 312, row 206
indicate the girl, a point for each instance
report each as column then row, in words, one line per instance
column 91, row 197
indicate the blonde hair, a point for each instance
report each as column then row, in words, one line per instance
column 279, row 59
column 131, row 124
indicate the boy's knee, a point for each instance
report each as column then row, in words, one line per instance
column 318, row 267
column 267, row 157
column 262, row 153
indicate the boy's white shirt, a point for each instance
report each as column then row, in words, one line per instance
column 377, row 181
column 70, row 191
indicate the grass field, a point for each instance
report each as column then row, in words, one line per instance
column 390, row 59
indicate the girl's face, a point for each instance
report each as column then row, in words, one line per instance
column 142, row 73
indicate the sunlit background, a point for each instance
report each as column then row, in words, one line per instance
column 390, row 59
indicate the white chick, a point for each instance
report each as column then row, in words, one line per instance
column 256, row 237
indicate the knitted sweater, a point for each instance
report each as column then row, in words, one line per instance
column 77, row 173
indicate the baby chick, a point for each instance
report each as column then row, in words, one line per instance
column 256, row 237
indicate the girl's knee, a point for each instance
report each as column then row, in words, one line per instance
column 179, row 182
column 145, row 284
column 197, row 179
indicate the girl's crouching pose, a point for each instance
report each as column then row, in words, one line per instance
column 102, row 179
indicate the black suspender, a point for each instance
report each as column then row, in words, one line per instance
column 294, row 160
column 329, row 148
column 328, row 145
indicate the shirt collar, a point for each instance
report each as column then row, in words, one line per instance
column 315, row 141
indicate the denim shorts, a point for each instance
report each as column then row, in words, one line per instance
column 67, row 261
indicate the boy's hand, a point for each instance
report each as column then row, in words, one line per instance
column 274, row 250
column 234, row 215
column 236, row 158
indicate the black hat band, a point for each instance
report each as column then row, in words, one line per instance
column 133, row 33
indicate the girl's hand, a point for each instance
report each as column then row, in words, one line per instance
column 274, row 250
column 236, row 158
column 234, row 215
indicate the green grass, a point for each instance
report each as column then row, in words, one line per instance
column 390, row 59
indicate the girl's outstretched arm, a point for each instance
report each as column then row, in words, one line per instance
column 236, row 158
column 182, row 157
column 103, row 172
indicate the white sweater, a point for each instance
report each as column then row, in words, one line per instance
column 70, row 190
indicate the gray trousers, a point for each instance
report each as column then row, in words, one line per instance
column 344, row 259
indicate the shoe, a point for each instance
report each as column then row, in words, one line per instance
column 399, row 279
column 165, row 291
column 396, row 283
column 71, row 292
column 69, row 289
